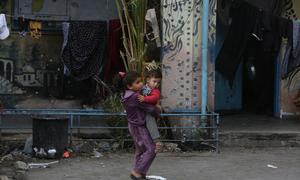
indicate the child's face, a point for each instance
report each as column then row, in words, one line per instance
column 137, row 85
column 153, row 82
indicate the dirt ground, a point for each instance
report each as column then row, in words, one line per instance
column 231, row 164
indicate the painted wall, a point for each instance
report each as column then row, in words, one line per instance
column 181, row 56
column 290, row 87
column 181, row 60
column 31, row 69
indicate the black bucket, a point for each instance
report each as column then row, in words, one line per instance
column 50, row 136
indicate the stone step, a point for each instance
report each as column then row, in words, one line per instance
column 260, row 139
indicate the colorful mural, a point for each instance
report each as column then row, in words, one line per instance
column 290, row 86
column 30, row 68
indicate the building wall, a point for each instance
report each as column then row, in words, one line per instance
column 181, row 56
column 290, row 87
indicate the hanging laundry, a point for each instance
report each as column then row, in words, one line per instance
column 114, row 62
column 244, row 18
column 4, row 31
column 294, row 54
column 151, row 17
column 65, row 30
column 267, row 28
column 35, row 29
column 83, row 54
column 152, row 36
column 23, row 25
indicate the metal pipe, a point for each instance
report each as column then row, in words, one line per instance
column 204, row 49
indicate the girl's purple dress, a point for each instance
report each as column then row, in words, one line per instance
column 145, row 147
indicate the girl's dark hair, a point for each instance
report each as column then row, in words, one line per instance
column 120, row 83
column 153, row 74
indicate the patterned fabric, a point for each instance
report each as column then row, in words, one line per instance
column 146, row 90
column 83, row 54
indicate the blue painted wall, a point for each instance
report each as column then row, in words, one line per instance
column 226, row 97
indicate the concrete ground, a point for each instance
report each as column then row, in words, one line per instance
column 258, row 123
column 231, row 164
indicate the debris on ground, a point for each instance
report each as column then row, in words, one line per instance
column 104, row 146
column 41, row 165
column 115, row 146
column 96, row 154
column 170, row 147
column 272, row 166
column 7, row 157
column 156, row 178
column 19, row 165
column 28, row 146
column 87, row 147
column 66, row 154
column 4, row 178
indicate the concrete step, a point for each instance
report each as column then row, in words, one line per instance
column 260, row 139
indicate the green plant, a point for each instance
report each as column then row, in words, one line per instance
column 132, row 17
column 113, row 104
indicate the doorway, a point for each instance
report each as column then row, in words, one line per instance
column 258, row 77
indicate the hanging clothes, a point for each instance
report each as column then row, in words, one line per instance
column 65, row 30
column 291, row 58
column 35, row 29
column 244, row 18
column 84, row 52
column 294, row 60
column 23, row 25
column 267, row 28
column 114, row 62
column 4, row 31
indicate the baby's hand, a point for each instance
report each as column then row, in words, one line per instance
column 141, row 98
column 158, row 107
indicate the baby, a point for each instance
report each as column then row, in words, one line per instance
column 151, row 94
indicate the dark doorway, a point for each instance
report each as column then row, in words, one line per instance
column 258, row 78
column 1, row 69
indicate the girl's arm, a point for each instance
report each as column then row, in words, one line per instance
column 149, row 108
column 153, row 98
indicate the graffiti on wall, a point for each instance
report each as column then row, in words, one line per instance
column 290, row 86
column 181, row 62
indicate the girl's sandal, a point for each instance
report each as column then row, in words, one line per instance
column 136, row 178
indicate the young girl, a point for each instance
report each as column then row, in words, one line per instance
column 144, row 145
column 151, row 95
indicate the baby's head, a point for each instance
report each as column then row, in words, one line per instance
column 153, row 78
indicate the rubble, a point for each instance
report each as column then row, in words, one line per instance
column 115, row 146
column 20, row 175
column 96, row 154
column 28, row 146
column 19, row 165
column 4, row 178
column 104, row 146
column 170, row 147
column 7, row 157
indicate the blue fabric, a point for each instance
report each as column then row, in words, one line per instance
column 294, row 57
column 146, row 90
